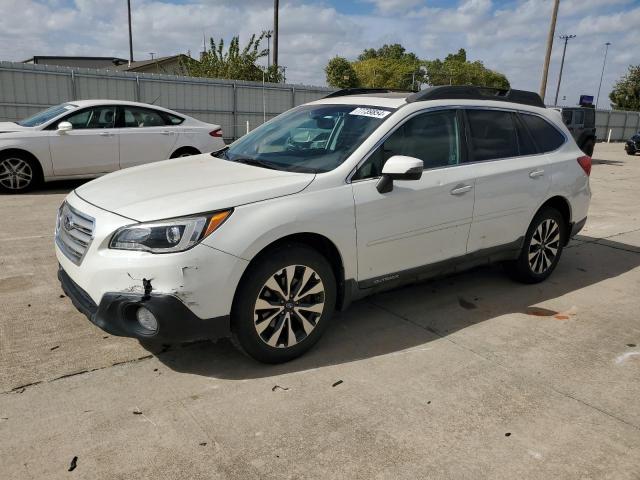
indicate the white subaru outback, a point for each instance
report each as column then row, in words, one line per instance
column 327, row 203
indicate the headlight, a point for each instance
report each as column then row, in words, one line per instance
column 168, row 236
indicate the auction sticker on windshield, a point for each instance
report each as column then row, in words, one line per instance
column 370, row 112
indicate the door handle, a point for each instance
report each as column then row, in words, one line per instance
column 536, row 173
column 166, row 132
column 460, row 189
column 106, row 134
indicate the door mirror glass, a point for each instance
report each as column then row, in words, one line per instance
column 399, row 167
column 65, row 127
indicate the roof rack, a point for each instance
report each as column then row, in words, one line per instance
column 360, row 91
column 467, row 92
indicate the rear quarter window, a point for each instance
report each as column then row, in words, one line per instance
column 546, row 136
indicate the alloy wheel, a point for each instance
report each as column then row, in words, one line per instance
column 289, row 306
column 544, row 246
column 15, row 174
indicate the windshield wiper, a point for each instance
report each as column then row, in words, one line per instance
column 220, row 151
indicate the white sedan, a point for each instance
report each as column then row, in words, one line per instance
column 88, row 138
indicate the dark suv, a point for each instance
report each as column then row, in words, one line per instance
column 633, row 144
column 581, row 122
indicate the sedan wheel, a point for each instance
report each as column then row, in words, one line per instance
column 15, row 174
column 289, row 306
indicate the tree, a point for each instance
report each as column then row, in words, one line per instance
column 455, row 69
column 389, row 67
column 235, row 63
column 340, row 73
column 626, row 92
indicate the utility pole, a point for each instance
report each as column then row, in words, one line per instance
column 275, row 32
column 566, row 39
column 602, row 74
column 547, row 57
column 130, row 35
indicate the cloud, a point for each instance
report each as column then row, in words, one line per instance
column 507, row 36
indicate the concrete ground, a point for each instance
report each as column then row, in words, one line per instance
column 473, row 376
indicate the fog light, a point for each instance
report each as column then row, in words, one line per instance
column 147, row 319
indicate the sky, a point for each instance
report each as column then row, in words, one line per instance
column 507, row 35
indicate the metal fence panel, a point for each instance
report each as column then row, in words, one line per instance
column 25, row 89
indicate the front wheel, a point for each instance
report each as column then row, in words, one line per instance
column 18, row 174
column 541, row 249
column 283, row 304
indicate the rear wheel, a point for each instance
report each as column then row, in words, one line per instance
column 542, row 247
column 588, row 147
column 18, row 173
column 185, row 152
column 284, row 304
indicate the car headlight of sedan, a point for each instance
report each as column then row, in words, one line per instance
column 168, row 236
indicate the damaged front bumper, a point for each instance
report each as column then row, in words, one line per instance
column 116, row 314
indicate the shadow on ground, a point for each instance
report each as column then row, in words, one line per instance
column 58, row 186
column 413, row 316
column 615, row 163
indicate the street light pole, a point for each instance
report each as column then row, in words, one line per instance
column 268, row 35
column 130, row 36
column 566, row 39
column 606, row 50
column 547, row 57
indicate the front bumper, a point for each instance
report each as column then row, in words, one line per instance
column 116, row 315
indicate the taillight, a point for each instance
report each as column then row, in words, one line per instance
column 216, row 133
column 585, row 163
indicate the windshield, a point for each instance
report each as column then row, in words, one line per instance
column 45, row 115
column 312, row 138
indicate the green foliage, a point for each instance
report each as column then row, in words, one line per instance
column 626, row 92
column 391, row 66
column 455, row 69
column 235, row 63
column 340, row 73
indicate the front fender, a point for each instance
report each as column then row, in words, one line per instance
column 37, row 147
column 327, row 212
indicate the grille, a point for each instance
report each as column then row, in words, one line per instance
column 74, row 232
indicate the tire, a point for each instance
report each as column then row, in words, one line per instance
column 184, row 152
column 18, row 173
column 588, row 147
column 630, row 151
column 549, row 229
column 269, row 307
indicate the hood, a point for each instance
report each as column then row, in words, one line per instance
column 11, row 127
column 188, row 185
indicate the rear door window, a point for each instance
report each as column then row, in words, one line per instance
column 546, row 136
column 492, row 135
column 136, row 117
column 578, row 117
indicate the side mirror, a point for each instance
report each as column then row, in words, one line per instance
column 399, row 167
column 64, row 127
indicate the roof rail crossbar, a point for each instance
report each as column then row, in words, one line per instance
column 469, row 92
column 360, row 91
